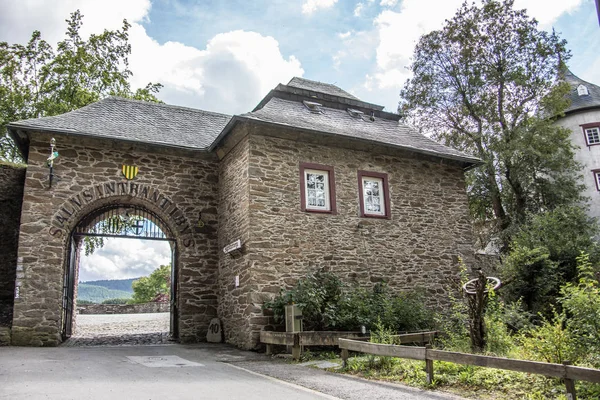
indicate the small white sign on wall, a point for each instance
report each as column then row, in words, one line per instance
column 231, row 247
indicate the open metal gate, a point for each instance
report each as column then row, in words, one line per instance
column 117, row 221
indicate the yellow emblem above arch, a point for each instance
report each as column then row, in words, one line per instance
column 129, row 171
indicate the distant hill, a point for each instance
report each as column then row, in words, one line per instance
column 97, row 294
column 114, row 284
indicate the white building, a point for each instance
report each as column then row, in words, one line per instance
column 583, row 119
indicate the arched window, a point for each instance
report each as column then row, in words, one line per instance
column 582, row 90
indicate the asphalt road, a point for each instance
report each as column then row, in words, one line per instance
column 175, row 372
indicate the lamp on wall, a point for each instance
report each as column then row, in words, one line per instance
column 50, row 160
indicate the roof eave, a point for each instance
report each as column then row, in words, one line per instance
column 224, row 132
column 470, row 162
column 74, row 132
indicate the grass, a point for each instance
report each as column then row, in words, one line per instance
column 467, row 381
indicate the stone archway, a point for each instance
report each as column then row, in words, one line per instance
column 116, row 220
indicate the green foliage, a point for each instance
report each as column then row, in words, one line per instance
column 551, row 341
column 318, row 295
column 327, row 304
column 489, row 88
column 116, row 301
column 37, row 81
column 404, row 311
column 582, row 303
column 84, row 302
column 499, row 340
column 97, row 294
column 155, row 287
column 543, row 256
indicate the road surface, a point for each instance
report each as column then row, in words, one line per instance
column 206, row 371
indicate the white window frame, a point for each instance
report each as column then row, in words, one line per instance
column 596, row 134
column 381, row 196
column 326, row 191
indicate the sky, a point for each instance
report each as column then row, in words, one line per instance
column 225, row 56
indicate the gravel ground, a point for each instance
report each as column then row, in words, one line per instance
column 120, row 329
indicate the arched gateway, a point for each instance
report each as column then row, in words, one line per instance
column 115, row 221
column 237, row 198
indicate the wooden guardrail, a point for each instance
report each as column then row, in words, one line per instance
column 566, row 371
column 329, row 338
column 308, row 338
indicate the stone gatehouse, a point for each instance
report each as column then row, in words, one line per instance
column 311, row 178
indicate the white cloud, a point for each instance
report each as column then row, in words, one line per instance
column 18, row 19
column 547, row 12
column 344, row 35
column 124, row 258
column 398, row 33
column 231, row 75
column 310, row 6
column 388, row 3
column 358, row 9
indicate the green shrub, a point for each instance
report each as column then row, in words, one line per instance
column 551, row 341
column 543, row 256
column 84, row 302
column 499, row 340
column 115, row 301
column 317, row 295
column 404, row 311
column 328, row 304
column 582, row 303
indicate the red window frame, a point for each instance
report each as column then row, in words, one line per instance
column 585, row 136
column 386, row 194
column 331, row 179
column 596, row 173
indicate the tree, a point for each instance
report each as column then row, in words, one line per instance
column 544, row 256
column 486, row 84
column 155, row 287
column 38, row 81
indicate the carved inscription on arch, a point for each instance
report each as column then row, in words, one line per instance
column 62, row 219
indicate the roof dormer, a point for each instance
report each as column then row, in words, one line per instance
column 582, row 90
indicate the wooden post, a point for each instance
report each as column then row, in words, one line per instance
column 269, row 349
column 570, row 384
column 345, row 358
column 296, row 352
column 428, row 366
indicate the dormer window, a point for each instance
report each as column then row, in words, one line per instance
column 313, row 106
column 582, row 90
column 355, row 113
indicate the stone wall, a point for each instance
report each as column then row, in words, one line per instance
column 233, row 225
column 178, row 186
column 418, row 247
column 12, row 180
column 123, row 308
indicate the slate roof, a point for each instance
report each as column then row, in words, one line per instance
column 585, row 101
column 320, row 87
column 139, row 121
column 339, row 122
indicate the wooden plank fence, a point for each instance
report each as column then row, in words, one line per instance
column 566, row 371
column 329, row 338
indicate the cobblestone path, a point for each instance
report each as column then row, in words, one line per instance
column 120, row 330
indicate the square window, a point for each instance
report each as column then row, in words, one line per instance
column 596, row 173
column 317, row 187
column 591, row 132
column 592, row 135
column 374, row 194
